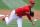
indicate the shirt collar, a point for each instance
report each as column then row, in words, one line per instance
column 29, row 7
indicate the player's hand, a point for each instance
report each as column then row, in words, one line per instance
column 33, row 24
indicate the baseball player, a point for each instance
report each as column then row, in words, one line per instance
column 19, row 12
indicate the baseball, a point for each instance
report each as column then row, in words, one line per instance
column 35, row 20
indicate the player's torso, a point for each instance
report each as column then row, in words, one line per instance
column 21, row 11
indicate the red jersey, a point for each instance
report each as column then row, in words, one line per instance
column 21, row 11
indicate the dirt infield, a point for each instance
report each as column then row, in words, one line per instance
column 8, row 12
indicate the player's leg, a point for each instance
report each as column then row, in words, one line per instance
column 11, row 18
column 19, row 22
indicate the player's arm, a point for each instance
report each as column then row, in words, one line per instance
column 29, row 17
column 27, row 12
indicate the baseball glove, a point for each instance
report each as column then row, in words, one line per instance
column 31, row 13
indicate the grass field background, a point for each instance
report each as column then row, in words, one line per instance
column 14, row 4
column 26, row 23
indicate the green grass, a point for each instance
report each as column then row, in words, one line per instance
column 3, row 6
column 26, row 23
column 14, row 4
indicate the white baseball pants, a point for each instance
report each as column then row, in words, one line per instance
column 13, row 17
